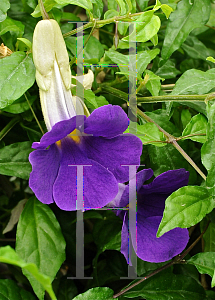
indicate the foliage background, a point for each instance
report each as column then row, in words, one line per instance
column 175, row 90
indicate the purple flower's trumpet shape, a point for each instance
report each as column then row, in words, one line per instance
column 94, row 142
column 150, row 206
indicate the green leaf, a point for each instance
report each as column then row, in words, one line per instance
column 210, row 295
column 204, row 262
column 207, row 151
column 90, row 97
column 82, row 3
column 161, row 118
column 195, row 48
column 146, row 31
column 185, row 207
column 11, row 25
column 9, row 256
column 149, row 134
column 4, row 6
column 14, row 160
column 122, row 7
column 15, row 214
column 143, row 4
column 210, row 58
column 107, row 234
column 118, row 58
column 67, row 289
column 166, row 69
column 182, row 21
column 209, row 238
column 168, row 286
column 144, row 58
column 100, row 101
column 93, row 48
column 98, row 293
column 197, row 125
column 16, row 77
column 20, row 105
column 195, row 82
column 185, row 117
column 26, row 42
column 110, row 14
column 10, row 291
column 39, row 241
column 88, row 94
column 144, row 267
column 166, row 10
column 97, row 8
column 153, row 83
column 213, row 280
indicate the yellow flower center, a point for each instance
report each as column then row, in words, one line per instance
column 75, row 136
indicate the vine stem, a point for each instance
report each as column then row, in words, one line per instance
column 101, row 23
column 38, row 123
column 187, row 157
column 172, row 140
column 176, row 98
column 9, row 126
column 177, row 260
column 42, row 10
column 164, row 98
column 91, row 32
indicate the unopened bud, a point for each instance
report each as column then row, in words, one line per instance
column 48, row 46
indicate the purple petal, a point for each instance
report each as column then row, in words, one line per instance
column 114, row 153
column 58, row 132
column 167, row 182
column 141, row 177
column 151, row 198
column 100, row 186
column 45, row 165
column 106, row 121
column 153, row 249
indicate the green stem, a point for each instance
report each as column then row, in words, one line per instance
column 110, row 90
column 35, row 117
column 42, row 10
column 9, row 126
column 91, row 32
column 172, row 140
column 178, row 259
column 175, row 98
column 163, row 98
column 101, row 23
column 190, row 135
column 184, row 154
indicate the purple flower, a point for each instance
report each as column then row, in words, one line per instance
column 97, row 144
column 150, row 206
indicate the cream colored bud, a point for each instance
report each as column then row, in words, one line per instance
column 49, row 46
column 86, row 80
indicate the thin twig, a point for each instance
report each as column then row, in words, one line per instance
column 35, row 117
column 172, row 140
column 9, row 126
